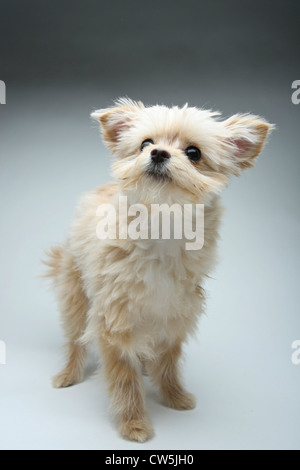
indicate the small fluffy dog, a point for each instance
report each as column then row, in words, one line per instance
column 142, row 298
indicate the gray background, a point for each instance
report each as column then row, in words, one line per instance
column 61, row 60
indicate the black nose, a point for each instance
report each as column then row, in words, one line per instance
column 159, row 155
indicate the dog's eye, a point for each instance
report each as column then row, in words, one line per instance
column 145, row 143
column 193, row 153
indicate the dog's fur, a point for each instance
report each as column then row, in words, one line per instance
column 141, row 298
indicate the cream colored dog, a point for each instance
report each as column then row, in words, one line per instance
column 142, row 298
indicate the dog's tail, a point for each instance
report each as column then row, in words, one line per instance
column 53, row 262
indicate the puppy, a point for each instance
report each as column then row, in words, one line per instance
column 139, row 297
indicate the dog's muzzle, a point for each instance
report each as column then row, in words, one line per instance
column 159, row 163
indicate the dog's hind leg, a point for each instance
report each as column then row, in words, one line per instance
column 73, row 305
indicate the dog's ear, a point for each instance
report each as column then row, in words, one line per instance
column 244, row 139
column 116, row 120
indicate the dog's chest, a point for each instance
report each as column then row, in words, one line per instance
column 165, row 271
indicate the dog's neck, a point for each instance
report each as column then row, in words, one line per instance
column 162, row 193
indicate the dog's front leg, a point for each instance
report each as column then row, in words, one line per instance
column 164, row 372
column 127, row 390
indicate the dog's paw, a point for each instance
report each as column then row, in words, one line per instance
column 63, row 380
column 181, row 401
column 138, row 430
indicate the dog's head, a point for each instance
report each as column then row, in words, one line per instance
column 187, row 152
